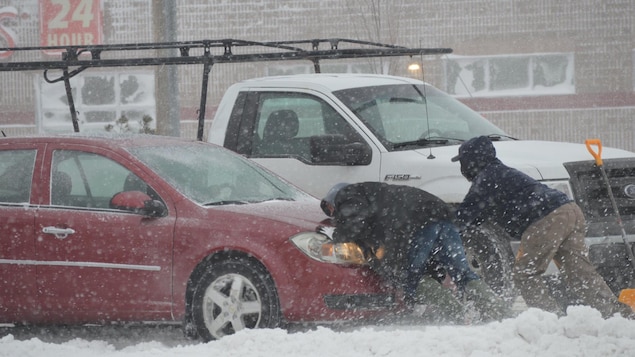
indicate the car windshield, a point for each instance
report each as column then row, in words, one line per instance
column 211, row 175
column 407, row 115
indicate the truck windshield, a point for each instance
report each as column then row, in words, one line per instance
column 405, row 115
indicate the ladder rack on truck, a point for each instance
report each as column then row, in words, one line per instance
column 75, row 59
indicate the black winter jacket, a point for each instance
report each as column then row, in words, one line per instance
column 505, row 196
column 375, row 215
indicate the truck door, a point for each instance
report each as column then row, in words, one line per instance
column 304, row 139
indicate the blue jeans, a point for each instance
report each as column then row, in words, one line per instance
column 441, row 241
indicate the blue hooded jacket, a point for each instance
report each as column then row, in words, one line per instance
column 500, row 194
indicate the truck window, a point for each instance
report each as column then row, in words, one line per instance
column 399, row 114
column 286, row 122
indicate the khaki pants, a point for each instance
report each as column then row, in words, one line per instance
column 560, row 237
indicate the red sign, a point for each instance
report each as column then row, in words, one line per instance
column 7, row 36
column 70, row 23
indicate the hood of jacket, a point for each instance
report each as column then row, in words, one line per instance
column 474, row 155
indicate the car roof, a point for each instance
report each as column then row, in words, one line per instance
column 330, row 81
column 97, row 138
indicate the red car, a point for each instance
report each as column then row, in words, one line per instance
column 97, row 229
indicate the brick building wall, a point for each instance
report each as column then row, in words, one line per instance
column 600, row 34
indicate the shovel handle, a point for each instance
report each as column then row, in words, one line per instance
column 596, row 154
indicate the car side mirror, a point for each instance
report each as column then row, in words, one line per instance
column 337, row 150
column 138, row 202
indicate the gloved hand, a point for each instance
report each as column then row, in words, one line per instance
column 327, row 231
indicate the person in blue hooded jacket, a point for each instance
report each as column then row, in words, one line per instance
column 550, row 226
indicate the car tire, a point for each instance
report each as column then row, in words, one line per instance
column 490, row 255
column 233, row 295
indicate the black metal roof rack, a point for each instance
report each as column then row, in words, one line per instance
column 75, row 59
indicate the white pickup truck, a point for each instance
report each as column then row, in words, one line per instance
column 316, row 130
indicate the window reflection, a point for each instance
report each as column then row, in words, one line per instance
column 100, row 99
column 532, row 74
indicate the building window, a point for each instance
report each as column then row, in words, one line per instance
column 100, row 99
column 535, row 74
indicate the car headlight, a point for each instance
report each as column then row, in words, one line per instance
column 319, row 247
column 561, row 185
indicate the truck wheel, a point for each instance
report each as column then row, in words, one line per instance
column 234, row 295
column 490, row 255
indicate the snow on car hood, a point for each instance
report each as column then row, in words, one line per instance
column 540, row 159
column 304, row 214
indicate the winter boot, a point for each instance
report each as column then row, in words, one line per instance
column 489, row 305
column 441, row 304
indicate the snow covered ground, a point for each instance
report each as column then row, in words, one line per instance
column 533, row 333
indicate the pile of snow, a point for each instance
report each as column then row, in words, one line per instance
column 582, row 332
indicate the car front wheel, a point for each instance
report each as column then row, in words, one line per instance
column 234, row 295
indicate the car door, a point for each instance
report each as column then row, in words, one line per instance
column 17, row 241
column 96, row 262
column 284, row 127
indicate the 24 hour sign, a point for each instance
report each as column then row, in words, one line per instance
column 70, row 23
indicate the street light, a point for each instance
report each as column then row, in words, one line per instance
column 416, row 70
column 414, row 67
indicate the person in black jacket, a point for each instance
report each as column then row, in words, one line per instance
column 402, row 228
column 549, row 225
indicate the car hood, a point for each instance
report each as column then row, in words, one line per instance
column 542, row 160
column 304, row 214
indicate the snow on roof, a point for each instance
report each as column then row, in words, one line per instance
column 331, row 81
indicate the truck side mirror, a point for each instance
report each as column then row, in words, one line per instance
column 337, row 150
